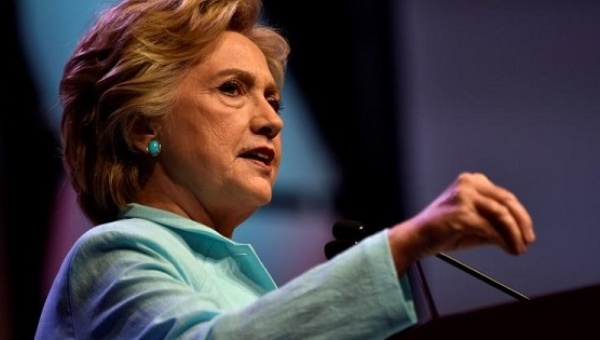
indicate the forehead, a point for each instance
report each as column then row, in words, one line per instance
column 234, row 50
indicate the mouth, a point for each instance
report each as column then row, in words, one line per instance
column 263, row 155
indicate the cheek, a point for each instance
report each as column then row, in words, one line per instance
column 206, row 131
column 184, row 142
column 216, row 143
column 278, row 144
column 191, row 127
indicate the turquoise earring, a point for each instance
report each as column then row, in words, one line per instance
column 153, row 147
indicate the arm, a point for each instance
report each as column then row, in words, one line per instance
column 129, row 284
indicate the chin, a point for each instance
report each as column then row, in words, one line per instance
column 263, row 193
column 259, row 193
column 265, row 200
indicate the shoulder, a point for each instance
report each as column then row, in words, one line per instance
column 127, row 231
column 127, row 239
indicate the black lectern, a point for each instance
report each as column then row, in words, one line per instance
column 573, row 314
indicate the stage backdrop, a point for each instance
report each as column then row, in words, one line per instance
column 511, row 89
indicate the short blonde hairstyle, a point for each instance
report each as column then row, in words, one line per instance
column 125, row 69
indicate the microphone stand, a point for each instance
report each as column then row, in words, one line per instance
column 481, row 276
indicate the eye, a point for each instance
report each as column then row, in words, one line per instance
column 232, row 88
column 275, row 103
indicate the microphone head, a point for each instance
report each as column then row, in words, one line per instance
column 333, row 248
column 350, row 230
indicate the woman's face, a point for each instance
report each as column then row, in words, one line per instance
column 221, row 146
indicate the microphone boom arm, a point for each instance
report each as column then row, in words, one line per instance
column 482, row 276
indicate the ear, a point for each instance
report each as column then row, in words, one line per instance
column 141, row 133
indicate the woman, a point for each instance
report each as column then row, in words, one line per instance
column 172, row 138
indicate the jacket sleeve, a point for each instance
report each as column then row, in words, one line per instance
column 355, row 295
column 129, row 287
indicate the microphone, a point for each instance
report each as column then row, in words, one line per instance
column 348, row 233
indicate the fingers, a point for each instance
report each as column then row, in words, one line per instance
column 502, row 210
column 498, row 219
column 517, row 209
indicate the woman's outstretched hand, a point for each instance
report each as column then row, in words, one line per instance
column 472, row 211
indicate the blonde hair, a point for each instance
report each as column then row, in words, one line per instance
column 124, row 70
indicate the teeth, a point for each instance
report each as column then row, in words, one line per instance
column 262, row 155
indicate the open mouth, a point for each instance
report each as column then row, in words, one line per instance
column 263, row 155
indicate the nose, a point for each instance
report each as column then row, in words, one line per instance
column 268, row 122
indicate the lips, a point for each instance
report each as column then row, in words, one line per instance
column 263, row 154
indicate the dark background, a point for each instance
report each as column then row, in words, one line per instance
column 395, row 98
